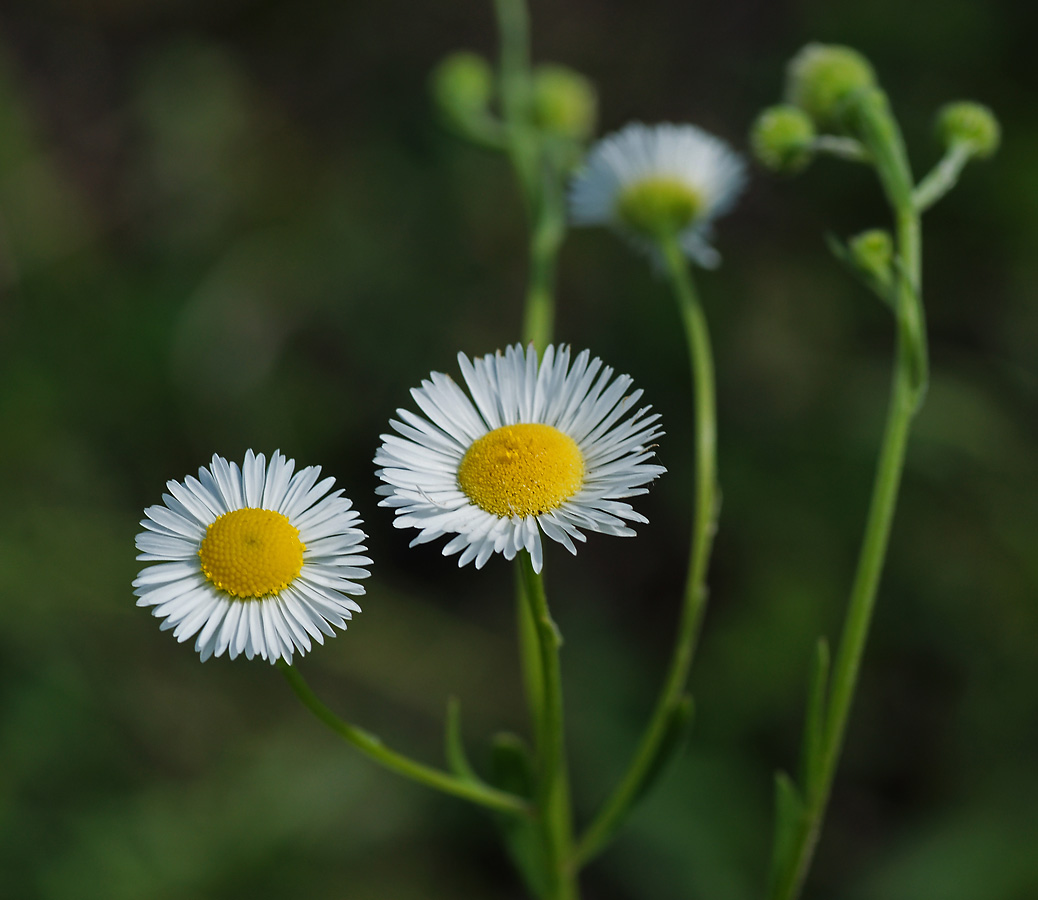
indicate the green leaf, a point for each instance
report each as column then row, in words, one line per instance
column 455, row 747
column 511, row 769
column 675, row 731
column 814, row 722
column 790, row 818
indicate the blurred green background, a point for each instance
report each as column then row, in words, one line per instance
column 238, row 224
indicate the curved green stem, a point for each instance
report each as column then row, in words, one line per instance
column 515, row 88
column 548, row 231
column 541, row 175
column 704, row 526
column 552, row 797
column 374, row 749
column 943, row 177
column 882, row 136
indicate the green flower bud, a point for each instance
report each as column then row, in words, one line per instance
column 969, row 123
column 822, row 76
column 873, row 252
column 463, row 85
column 564, row 102
column 782, row 138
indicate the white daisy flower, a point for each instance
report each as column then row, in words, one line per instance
column 649, row 181
column 546, row 447
column 253, row 560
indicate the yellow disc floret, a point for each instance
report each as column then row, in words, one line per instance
column 659, row 206
column 251, row 553
column 521, row 470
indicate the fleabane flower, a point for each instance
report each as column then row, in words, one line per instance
column 660, row 181
column 539, row 448
column 254, row 560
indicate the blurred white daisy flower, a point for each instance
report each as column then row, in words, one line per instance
column 545, row 447
column 253, row 560
column 653, row 182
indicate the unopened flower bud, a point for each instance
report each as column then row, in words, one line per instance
column 782, row 138
column 822, row 76
column 564, row 102
column 969, row 123
column 873, row 252
column 463, row 84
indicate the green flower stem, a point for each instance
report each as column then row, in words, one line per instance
column 516, row 89
column 943, row 177
column 552, row 797
column 373, row 748
column 548, row 231
column 842, row 147
column 540, row 173
column 529, row 656
column 882, row 136
column 704, row 526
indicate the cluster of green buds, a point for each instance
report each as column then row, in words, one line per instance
column 826, row 86
column 558, row 101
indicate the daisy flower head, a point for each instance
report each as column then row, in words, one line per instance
column 659, row 181
column 254, row 560
column 551, row 447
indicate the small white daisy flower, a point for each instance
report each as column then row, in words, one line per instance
column 254, row 560
column 651, row 181
column 549, row 448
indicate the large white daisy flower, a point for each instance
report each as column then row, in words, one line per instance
column 663, row 179
column 254, row 560
column 546, row 447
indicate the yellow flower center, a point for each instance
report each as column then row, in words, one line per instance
column 658, row 206
column 521, row 470
column 251, row 553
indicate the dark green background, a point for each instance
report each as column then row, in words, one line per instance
column 238, row 224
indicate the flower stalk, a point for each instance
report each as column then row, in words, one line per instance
column 552, row 796
column 801, row 815
column 541, row 168
column 672, row 711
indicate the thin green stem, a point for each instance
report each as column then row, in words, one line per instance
column 842, row 147
column 515, row 87
column 855, row 634
column 374, row 749
column 529, row 655
column 540, row 173
column 704, row 526
column 552, row 796
column 943, row 177
column 548, row 231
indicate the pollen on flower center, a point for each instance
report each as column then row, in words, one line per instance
column 251, row 553
column 658, row 205
column 521, row 470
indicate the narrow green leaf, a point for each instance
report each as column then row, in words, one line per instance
column 789, row 821
column 455, row 747
column 675, row 731
column 814, row 721
column 511, row 769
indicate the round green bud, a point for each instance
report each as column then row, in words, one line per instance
column 873, row 252
column 564, row 102
column 969, row 123
column 822, row 76
column 782, row 138
column 463, row 84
